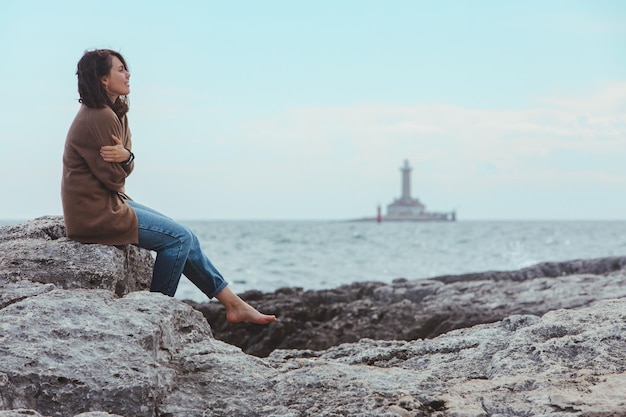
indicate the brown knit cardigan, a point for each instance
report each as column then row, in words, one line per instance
column 92, row 190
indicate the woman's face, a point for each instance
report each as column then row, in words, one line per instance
column 117, row 82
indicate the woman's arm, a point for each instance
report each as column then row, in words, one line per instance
column 103, row 126
column 116, row 153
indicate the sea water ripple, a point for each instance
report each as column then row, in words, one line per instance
column 267, row 255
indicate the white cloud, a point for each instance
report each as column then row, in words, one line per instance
column 356, row 150
column 339, row 162
column 449, row 137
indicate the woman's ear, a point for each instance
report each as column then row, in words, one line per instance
column 105, row 81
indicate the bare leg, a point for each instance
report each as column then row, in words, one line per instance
column 238, row 310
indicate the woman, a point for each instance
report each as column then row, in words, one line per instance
column 96, row 161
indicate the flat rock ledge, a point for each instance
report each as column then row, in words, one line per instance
column 96, row 348
column 417, row 309
column 38, row 251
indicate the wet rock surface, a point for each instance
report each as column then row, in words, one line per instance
column 83, row 349
column 409, row 310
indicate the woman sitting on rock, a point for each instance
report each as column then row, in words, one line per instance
column 96, row 161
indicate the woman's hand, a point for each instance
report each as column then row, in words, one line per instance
column 115, row 153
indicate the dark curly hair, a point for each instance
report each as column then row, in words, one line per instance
column 94, row 65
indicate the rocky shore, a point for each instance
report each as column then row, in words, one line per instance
column 81, row 336
column 420, row 309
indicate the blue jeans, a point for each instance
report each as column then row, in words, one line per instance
column 178, row 252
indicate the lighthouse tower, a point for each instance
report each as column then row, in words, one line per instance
column 405, row 206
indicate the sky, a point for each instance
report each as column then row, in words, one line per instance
column 306, row 110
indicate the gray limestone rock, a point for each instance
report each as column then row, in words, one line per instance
column 97, row 414
column 38, row 251
column 20, row 413
column 12, row 292
column 416, row 309
column 67, row 352
column 70, row 351
column 566, row 363
column 33, row 413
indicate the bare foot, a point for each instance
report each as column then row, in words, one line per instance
column 249, row 314
column 238, row 310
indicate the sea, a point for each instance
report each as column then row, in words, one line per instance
column 313, row 255
column 268, row 255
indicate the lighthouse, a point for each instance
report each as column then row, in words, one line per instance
column 406, row 206
column 406, row 181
